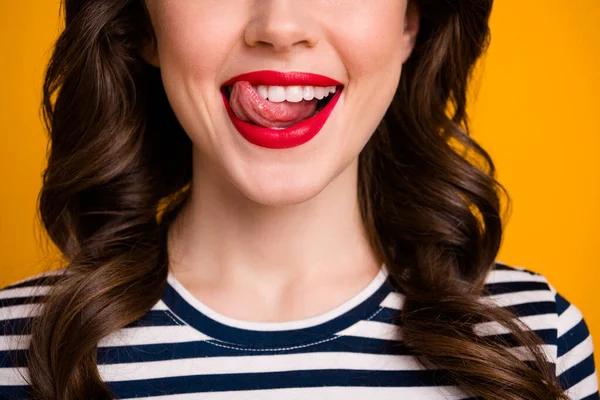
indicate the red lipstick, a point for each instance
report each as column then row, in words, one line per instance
column 294, row 135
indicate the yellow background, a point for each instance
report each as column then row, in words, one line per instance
column 537, row 112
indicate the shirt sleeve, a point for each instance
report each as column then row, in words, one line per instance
column 575, row 366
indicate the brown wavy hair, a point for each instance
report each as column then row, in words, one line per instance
column 119, row 168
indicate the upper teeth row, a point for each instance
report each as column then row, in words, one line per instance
column 293, row 94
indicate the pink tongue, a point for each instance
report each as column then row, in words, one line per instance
column 247, row 105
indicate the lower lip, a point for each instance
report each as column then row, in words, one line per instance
column 292, row 136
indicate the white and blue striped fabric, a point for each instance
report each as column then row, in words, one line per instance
column 181, row 349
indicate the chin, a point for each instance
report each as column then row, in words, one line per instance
column 282, row 189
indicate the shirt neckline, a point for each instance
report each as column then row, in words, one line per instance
column 222, row 328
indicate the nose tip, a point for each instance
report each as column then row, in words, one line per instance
column 281, row 25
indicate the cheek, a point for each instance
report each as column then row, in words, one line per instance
column 370, row 39
column 186, row 32
column 192, row 61
column 370, row 43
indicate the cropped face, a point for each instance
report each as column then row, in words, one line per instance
column 280, row 96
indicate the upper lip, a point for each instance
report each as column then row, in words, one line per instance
column 276, row 78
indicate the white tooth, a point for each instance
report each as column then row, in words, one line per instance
column 294, row 94
column 263, row 92
column 276, row 94
column 331, row 89
column 320, row 92
column 308, row 92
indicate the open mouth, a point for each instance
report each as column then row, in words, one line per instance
column 321, row 104
column 262, row 114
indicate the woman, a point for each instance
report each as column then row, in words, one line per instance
column 272, row 199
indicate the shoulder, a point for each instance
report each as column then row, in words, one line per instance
column 510, row 286
column 559, row 323
column 27, row 290
column 20, row 301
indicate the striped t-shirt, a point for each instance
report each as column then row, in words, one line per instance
column 182, row 349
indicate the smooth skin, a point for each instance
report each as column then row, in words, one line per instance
column 276, row 231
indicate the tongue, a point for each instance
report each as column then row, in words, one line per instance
column 247, row 105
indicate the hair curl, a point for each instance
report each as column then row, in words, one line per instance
column 115, row 180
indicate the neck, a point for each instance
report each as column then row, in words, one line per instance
column 221, row 234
